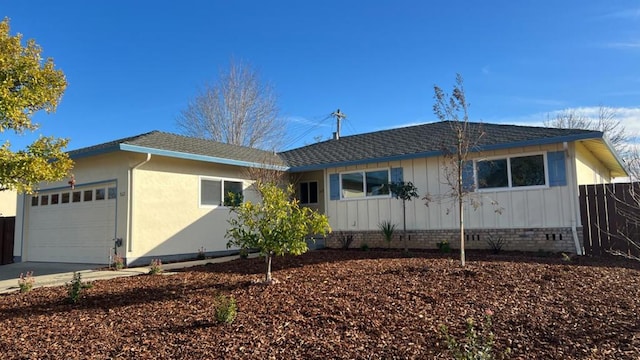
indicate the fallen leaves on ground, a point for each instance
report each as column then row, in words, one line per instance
column 339, row 305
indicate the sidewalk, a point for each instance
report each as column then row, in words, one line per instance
column 59, row 279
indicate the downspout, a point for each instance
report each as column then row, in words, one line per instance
column 574, row 197
column 130, row 202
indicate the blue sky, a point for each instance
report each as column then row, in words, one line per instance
column 132, row 66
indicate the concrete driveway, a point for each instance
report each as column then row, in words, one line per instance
column 13, row 271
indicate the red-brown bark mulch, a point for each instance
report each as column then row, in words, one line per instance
column 332, row 304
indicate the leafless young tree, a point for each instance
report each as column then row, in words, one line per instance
column 238, row 109
column 605, row 121
column 455, row 110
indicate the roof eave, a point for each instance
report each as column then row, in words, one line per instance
column 198, row 157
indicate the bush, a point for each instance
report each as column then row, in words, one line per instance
column 201, row 253
column 76, row 286
column 387, row 228
column 26, row 281
column 496, row 244
column 364, row 247
column 443, row 246
column 155, row 267
column 118, row 262
column 477, row 345
column 226, row 309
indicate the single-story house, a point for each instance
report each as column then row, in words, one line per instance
column 161, row 195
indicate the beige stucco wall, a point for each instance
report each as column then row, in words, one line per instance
column 318, row 176
column 8, row 201
column 107, row 168
column 166, row 214
column 589, row 170
column 522, row 208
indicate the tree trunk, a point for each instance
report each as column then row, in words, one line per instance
column 267, row 275
column 404, row 226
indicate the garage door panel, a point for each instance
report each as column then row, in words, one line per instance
column 79, row 232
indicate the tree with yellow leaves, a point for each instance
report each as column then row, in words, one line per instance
column 28, row 84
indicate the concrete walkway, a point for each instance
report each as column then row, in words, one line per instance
column 58, row 274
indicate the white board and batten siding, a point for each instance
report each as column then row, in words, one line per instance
column 545, row 206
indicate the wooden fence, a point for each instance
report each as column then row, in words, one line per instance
column 7, row 231
column 610, row 213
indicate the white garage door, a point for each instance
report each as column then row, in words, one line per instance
column 72, row 225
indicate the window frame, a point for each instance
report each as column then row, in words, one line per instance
column 309, row 182
column 510, row 186
column 222, row 180
column 363, row 173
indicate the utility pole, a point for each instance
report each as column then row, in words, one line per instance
column 339, row 116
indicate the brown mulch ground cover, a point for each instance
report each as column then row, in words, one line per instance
column 332, row 304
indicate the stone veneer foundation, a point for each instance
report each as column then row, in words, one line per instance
column 520, row 239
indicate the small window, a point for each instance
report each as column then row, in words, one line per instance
column 365, row 184
column 88, row 195
column 112, row 192
column 65, row 198
column 44, row 200
column 220, row 192
column 99, row 194
column 309, row 192
column 76, row 197
column 55, row 199
column 34, row 200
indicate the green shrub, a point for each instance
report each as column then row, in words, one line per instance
column 364, row 247
column 155, row 267
column 118, row 262
column 443, row 246
column 76, row 286
column 387, row 228
column 226, row 309
column 243, row 253
column 26, row 281
column 477, row 345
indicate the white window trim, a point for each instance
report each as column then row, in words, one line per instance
column 510, row 186
column 317, row 192
column 364, row 179
column 222, row 179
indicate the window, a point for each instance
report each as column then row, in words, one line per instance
column 55, row 198
column 44, row 200
column 65, row 198
column 219, row 192
column 517, row 171
column 365, row 184
column 309, row 192
column 34, row 200
column 76, row 196
column 88, row 195
column 99, row 194
column 111, row 193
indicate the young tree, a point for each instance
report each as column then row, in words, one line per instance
column 405, row 192
column 454, row 109
column 275, row 227
column 27, row 85
column 239, row 109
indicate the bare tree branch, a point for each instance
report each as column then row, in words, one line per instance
column 238, row 109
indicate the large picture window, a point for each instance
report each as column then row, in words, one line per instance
column 365, row 184
column 220, row 192
column 516, row 171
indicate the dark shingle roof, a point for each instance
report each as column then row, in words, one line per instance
column 420, row 140
column 178, row 144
